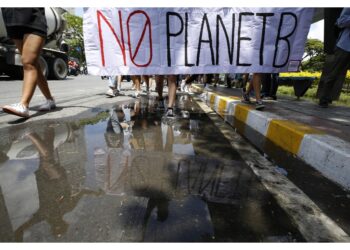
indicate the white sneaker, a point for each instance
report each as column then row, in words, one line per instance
column 112, row 92
column 137, row 94
column 16, row 109
column 182, row 86
column 48, row 105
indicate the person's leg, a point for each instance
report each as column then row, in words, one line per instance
column 30, row 48
column 159, row 83
column 111, row 82
column 112, row 86
column 257, row 77
column 171, row 90
column 336, row 71
column 266, row 84
column 146, row 79
column 137, row 83
column 246, row 89
column 32, row 75
column 274, row 86
column 119, row 82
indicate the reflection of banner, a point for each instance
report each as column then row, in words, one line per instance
column 165, row 175
column 194, row 40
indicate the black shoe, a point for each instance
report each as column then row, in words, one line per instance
column 245, row 98
column 161, row 104
column 323, row 104
column 170, row 113
column 169, row 117
column 259, row 105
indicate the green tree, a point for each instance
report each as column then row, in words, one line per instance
column 314, row 55
column 74, row 37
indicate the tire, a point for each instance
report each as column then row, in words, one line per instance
column 58, row 69
column 15, row 72
column 44, row 67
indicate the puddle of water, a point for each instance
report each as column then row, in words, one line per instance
column 127, row 176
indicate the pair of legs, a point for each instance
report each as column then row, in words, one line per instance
column 115, row 82
column 148, row 80
column 336, row 70
column 171, row 88
column 114, row 85
column 30, row 48
column 255, row 84
column 137, row 84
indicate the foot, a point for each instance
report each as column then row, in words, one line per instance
column 161, row 104
column 323, row 104
column 169, row 117
column 137, row 94
column 112, row 92
column 268, row 98
column 245, row 98
column 48, row 105
column 182, row 86
column 16, row 109
column 259, row 105
column 169, row 113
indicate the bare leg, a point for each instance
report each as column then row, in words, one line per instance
column 171, row 90
column 42, row 84
column 119, row 86
column 30, row 51
column 146, row 79
column 257, row 85
column 137, row 82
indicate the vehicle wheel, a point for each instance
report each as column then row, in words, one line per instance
column 44, row 67
column 58, row 69
column 15, row 72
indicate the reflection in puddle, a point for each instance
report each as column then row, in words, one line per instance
column 133, row 177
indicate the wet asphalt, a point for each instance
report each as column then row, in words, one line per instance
column 126, row 174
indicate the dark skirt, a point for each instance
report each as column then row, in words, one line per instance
column 20, row 21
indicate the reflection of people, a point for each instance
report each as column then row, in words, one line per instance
column 54, row 189
column 28, row 29
column 341, row 59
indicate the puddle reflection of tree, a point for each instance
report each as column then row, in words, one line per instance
column 54, row 189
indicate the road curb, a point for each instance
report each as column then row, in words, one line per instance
column 327, row 154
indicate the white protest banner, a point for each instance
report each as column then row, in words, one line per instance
column 145, row 41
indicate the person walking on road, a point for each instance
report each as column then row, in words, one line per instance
column 171, row 93
column 341, row 59
column 114, row 85
column 254, row 84
column 28, row 29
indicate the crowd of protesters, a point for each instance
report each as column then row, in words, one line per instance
column 27, row 27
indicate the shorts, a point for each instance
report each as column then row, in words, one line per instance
column 18, row 32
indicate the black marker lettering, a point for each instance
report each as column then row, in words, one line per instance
column 168, row 14
column 284, row 38
column 239, row 39
column 205, row 20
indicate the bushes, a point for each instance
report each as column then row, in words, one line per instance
column 317, row 76
column 311, row 93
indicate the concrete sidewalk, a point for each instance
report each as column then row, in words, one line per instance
column 320, row 137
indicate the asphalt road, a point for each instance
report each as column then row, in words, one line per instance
column 73, row 96
column 69, row 175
